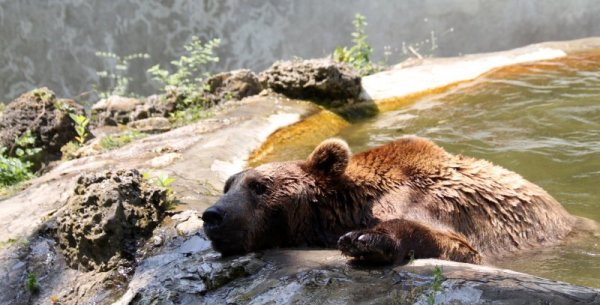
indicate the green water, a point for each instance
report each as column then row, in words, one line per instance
column 541, row 121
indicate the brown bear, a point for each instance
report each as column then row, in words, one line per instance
column 409, row 198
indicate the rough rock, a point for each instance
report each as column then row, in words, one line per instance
column 194, row 244
column 190, row 223
column 114, row 110
column 118, row 110
column 45, row 116
column 57, row 284
column 192, row 273
column 106, row 217
column 151, row 125
column 233, row 85
column 155, row 106
column 319, row 79
column 203, row 146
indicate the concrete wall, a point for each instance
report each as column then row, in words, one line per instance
column 52, row 43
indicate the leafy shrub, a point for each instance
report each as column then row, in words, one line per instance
column 43, row 94
column 81, row 123
column 18, row 168
column 25, row 147
column 13, row 170
column 358, row 54
column 164, row 181
column 186, row 82
column 69, row 150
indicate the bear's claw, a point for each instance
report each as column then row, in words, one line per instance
column 367, row 246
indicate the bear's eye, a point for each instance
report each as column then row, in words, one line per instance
column 257, row 187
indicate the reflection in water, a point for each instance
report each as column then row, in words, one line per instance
column 540, row 120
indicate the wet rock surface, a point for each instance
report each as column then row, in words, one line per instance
column 189, row 223
column 183, row 269
column 85, row 252
column 190, row 272
column 233, row 85
column 45, row 116
column 316, row 79
column 56, row 282
column 107, row 217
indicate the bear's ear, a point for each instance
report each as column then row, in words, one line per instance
column 330, row 158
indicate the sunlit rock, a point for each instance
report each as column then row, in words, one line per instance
column 319, row 79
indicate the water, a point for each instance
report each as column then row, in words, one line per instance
column 540, row 120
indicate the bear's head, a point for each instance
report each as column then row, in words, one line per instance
column 275, row 204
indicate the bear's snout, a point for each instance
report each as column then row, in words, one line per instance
column 213, row 217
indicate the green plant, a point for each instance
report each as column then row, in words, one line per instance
column 81, row 123
column 358, row 54
column 116, row 81
column 436, row 286
column 25, row 146
column 60, row 105
column 13, row 170
column 70, row 150
column 186, row 82
column 228, row 96
column 18, row 168
column 163, row 181
column 8, row 242
column 43, row 94
column 110, row 142
column 31, row 283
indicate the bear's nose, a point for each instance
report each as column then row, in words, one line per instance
column 213, row 216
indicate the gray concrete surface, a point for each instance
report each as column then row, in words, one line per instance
column 52, row 43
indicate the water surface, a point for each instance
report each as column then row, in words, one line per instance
column 540, row 120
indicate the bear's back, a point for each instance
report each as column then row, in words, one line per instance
column 497, row 210
column 407, row 158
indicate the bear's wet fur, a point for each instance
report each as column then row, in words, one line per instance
column 408, row 198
